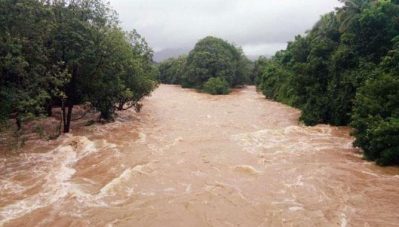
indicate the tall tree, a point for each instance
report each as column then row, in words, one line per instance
column 24, row 65
column 76, row 42
column 214, row 57
column 65, row 53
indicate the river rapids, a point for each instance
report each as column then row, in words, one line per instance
column 191, row 159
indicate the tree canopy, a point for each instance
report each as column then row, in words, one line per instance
column 66, row 53
column 211, row 58
column 172, row 69
column 344, row 71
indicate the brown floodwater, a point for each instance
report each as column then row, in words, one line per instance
column 191, row 159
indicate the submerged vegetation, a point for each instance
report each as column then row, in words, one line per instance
column 67, row 53
column 213, row 66
column 344, row 71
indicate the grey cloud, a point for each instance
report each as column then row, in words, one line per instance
column 261, row 27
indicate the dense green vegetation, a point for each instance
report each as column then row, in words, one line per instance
column 172, row 69
column 344, row 71
column 66, row 53
column 211, row 58
column 216, row 86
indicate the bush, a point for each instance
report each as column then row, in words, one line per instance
column 376, row 120
column 216, row 86
column 274, row 82
column 171, row 70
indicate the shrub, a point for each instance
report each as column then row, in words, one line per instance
column 216, row 86
column 376, row 120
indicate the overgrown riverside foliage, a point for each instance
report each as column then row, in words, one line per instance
column 216, row 86
column 63, row 53
column 211, row 58
column 344, row 71
column 172, row 69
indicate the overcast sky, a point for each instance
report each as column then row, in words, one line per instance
column 260, row 27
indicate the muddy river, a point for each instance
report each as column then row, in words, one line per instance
column 191, row 159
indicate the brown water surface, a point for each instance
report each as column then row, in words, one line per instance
column 190, row 159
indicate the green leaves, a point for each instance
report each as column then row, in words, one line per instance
column 216, row 86
column 211, row 58
column 125, row 74
column 345, row 71
column 214, row 57
column 172, row 70
column 376, row 119
column 65, row 53
column 24, row 57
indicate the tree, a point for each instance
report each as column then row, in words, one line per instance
column 214, row 57
column 257, row 70
column 139, row 74
column 376, row 120
column 76, row 42
column 67, row 53
column 344, row 71
column 350, row 13
column 24, row 59
column 172, row 69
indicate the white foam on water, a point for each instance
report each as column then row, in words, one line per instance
column 117, row 186
column 298, row 182
column 288, row 201
column 370, row 173
column 147, row 193
column 108, row 189
column 295, row 208
column 16, row 188
column 344, row 220
column 124, row 177
column 142, row 138
column 169, row 190
column 188, row 188
column 291, row 139
column 57, row 185
column 162, row 148
column 247, row 169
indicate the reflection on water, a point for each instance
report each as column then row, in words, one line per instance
column 191, row 159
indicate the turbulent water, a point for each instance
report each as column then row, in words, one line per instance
column 190, row 159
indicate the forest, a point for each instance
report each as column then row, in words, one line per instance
column 344, row 71
column 67, row 53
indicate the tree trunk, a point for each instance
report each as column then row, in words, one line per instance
column 120, row 106
column 71, row 90
column 67, row 117
column 18, row 121
column 64, row 117
column 49, row 109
